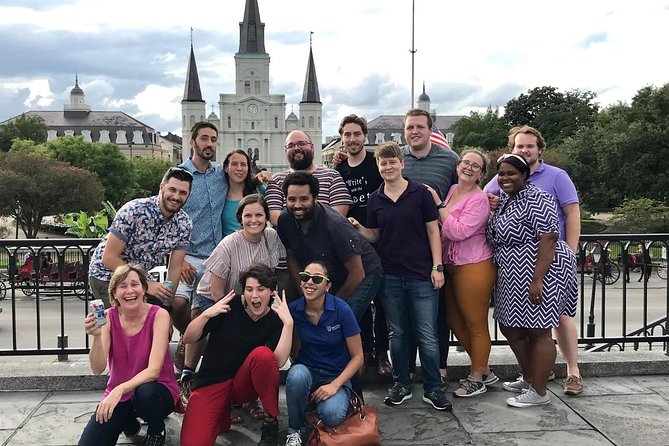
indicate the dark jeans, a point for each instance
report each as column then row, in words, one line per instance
column 151, row 401
column 443, row 333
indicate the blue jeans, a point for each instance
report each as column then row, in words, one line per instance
column 363, row 295
column 411, row 305
column 150, row 401
column 300, row 382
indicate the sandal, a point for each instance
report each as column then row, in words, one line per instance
column 256, row 412
column 235, row 418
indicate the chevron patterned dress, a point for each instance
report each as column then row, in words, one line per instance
column 514, row 235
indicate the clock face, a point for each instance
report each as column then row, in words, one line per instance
column 252, row 109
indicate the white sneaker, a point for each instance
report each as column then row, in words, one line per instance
column 516, row 386
column 294, row 439
column 528, row 399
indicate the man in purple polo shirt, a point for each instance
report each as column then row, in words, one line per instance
column 528, row 143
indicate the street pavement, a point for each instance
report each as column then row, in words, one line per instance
column 612, row 410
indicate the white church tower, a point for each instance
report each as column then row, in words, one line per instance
column 252, row 118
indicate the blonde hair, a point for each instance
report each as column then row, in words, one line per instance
column 120, row 274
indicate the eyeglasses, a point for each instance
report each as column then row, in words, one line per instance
column 300, row 144
column 476, row 167
column 317, row 279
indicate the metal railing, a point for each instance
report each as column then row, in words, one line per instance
column 44, row 305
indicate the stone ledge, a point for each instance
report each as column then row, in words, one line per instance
column 47, row 373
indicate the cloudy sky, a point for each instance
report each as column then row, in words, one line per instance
column 132, row 55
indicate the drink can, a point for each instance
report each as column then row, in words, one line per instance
column 169, row 284
column 98, row 308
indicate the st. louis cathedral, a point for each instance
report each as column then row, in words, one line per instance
column 253, row 119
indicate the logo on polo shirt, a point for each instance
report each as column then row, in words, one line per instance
column 333, row 327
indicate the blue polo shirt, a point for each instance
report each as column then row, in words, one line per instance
column 403, row 243
column 205, row 207
column 324, row 345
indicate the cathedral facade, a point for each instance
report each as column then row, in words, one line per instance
column 253, row 118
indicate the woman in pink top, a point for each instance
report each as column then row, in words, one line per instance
column 134, row 345
column 471, row 272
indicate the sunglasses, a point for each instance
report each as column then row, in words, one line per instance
column 315, row 278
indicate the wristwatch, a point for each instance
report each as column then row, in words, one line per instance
column 439, row 268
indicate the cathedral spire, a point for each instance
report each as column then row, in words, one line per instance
column 251, row 30
column 311, row 93
column 192, row 92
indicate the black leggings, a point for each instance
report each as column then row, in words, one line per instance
column 151, row 401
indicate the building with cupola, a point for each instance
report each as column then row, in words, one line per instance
column 131, row 136
column 253, row 118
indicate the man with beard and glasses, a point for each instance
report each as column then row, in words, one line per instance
column 204, row 207
column 144, row 231
column 300, row 154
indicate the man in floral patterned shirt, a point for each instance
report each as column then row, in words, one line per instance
column 144, row 232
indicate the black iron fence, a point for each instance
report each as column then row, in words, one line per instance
column 624, row 294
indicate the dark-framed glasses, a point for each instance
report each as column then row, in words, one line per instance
column 300, row 144
column 315, row 278
column 476, row 167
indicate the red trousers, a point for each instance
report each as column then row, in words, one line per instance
column 208, row 412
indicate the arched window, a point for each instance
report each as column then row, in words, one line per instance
column 311, row 122
column 276, row 122
column 229, row 122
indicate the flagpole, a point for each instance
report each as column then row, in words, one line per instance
column 412, row 50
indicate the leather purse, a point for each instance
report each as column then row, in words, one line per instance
column 360, row 428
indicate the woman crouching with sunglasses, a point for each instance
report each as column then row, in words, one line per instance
column 249, row 339
column 330, row 354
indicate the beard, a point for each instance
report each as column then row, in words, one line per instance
column 301, row 164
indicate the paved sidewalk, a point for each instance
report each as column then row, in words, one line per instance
column 624, row 410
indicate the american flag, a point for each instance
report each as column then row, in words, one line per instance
column 438, row 138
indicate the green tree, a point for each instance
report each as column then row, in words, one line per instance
column 624, row 155
column 23, row 127
column 642, row 215
column 35, row 186
column 105, row 159
column 485, row 130
column 555, row 114
column 148, row 172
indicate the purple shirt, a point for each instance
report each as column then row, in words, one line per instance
column 403, row 245
column 553, row 180
column 463, row 232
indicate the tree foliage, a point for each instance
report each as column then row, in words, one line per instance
column 23, row 127
column 35, row 186
column 485, row 130
column 105, row 159
column 148, row 172
column 555, row 114
column 642, row 215
column 95, row 226
column 624, row 155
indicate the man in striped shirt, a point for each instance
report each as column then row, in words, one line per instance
column 300, row 154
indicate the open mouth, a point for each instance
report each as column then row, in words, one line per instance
column 256, row 304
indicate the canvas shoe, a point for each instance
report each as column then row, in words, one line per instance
column 516, row 386
column 528, row 399
column 294, row 439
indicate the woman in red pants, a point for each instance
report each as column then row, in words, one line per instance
column 248, row 341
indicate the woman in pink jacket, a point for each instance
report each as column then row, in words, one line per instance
column 471, row 272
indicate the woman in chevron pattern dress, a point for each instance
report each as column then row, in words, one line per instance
column 536, row 279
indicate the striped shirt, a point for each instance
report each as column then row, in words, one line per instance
column 235, row 254
column 437, row 169
column 331, row 189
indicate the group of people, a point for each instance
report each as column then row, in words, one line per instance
column 259, row 260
